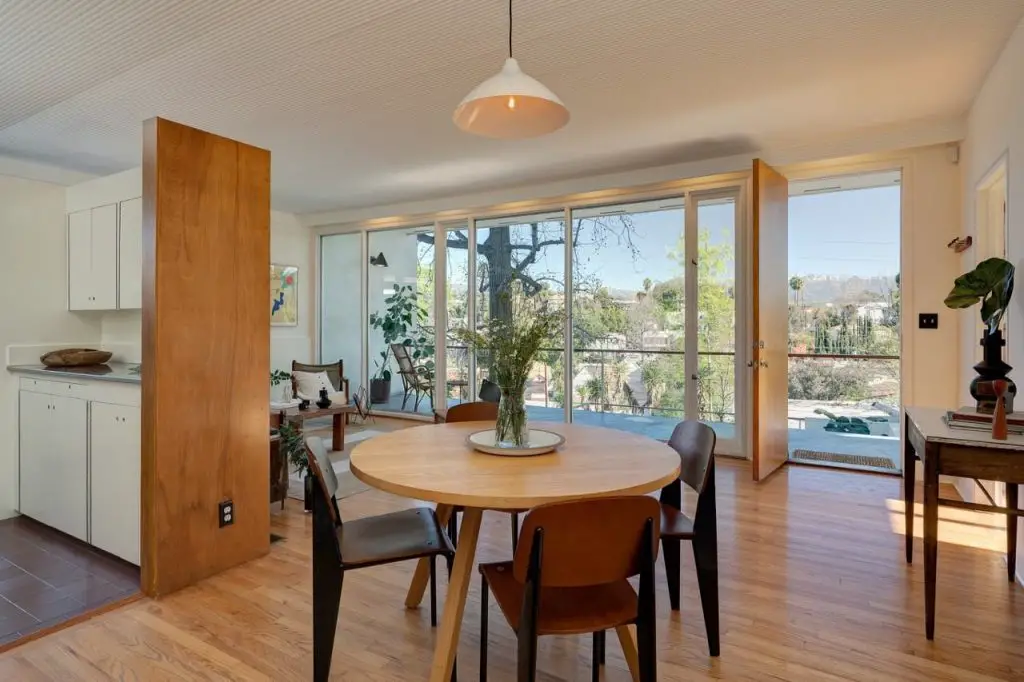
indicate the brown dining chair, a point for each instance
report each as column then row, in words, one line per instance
column 695, row 443
column 414, row 378
column 570, row 575
column 474, row 412
column 360, row 543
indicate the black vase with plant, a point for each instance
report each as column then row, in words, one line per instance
column 293, row 447
column 991, row 283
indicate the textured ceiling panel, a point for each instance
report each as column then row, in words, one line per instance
column 354, row 98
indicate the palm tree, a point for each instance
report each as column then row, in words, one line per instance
column 796, row 283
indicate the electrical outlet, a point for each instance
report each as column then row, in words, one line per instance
column 226, row 510
column 928, row 321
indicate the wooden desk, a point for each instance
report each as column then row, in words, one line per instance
column 339, row 411
column 955, row 452
column 434, row 463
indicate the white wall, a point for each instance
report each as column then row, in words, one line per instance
column 292, row 244
column 35, row 306
column 995, row 127
column 342, row 304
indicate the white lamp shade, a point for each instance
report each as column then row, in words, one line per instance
column 511, row 105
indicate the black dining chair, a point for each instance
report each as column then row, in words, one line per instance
column 695, row 443
column 369, row 541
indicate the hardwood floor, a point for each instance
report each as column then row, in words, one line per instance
column 813, row 587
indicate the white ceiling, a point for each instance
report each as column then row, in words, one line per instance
column 354, row 97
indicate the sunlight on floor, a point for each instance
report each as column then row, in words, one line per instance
column 956, row 526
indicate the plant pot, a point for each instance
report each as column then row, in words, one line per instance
column 380, row 390
column 992, row 368
column 309, row 482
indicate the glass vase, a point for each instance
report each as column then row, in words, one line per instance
column 512, row 429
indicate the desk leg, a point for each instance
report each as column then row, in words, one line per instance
column 627, row 639
column 1011, row 532
column 455, row 603
column 931, row 534
column 421, row 577
column 909, row 483
column 338, row 436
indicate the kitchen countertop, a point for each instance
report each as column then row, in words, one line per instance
column 112, row 371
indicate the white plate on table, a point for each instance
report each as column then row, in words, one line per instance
column 539, row 442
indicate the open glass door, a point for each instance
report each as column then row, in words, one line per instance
column 770, row 317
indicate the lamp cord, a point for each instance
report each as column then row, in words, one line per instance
column 510, row 29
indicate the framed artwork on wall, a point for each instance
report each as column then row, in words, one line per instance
column 284, row 294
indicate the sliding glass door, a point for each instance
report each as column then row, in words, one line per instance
column 649, row 289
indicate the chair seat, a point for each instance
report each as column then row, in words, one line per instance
column 675, row 524
column 406, row 534
column 564, row 610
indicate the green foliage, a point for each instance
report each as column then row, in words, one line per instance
column 278, row 377
column 991, row 282
column 293, row 447
column 402, row 322
column 819, row 380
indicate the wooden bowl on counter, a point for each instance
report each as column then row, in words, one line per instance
column 75, row 357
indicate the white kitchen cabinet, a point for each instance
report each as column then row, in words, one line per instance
column 115, row 444
column 53, row 461
column 92, row 259
column 129, row 255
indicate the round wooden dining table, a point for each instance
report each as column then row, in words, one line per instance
column 436, row 464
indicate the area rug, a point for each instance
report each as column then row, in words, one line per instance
column 838, row 458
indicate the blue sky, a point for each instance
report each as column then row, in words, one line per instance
column 837, row 234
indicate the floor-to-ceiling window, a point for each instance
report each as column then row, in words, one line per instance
column 341, row 282
column 651, row 290
column 629, row 316
column 844, row 321
column 400, row 319
column 528, row 253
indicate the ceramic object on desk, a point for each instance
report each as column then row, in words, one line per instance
column 999, row 387
column 324, row 401
column 304, row 404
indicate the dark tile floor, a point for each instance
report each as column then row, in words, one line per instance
column 47, row 577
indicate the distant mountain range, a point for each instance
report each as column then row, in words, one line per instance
column 828, row 289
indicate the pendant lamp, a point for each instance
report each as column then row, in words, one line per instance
column 510, row 104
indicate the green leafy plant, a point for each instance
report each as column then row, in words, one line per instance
column 293, row 446
column 513, row 343
column 991, row 282
column 278, row 377
column 402, row 322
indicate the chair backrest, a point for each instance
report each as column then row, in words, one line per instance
column 489, row 391
column 472, row 412
column 404, row 361
column 335, row 371
column 695, row 443
column 323, row 471
column 588, row 542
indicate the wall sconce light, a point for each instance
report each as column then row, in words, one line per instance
column 379, row 261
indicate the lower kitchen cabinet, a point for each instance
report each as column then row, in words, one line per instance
column 115, row 443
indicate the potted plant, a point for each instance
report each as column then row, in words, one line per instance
column 278, row 377
column 513, row 343
column 400, row 322
column 991, row 283
column 293, row 449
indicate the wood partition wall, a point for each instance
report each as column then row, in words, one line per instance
column 205, row 354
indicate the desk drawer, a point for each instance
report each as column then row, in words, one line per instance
column 50, row 387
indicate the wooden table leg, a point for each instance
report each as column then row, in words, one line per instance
column 421, row 578
column 455, row 603
column 931, row 533
column 909, row 483
column 338, row 437
column 1011, row 532
column 627, row 638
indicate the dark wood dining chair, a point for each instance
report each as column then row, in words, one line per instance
column 360, row 543
column 489, row 391
column 475, row 412
column 570, row 575
column 695, row 443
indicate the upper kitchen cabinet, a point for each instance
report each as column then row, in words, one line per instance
column 129, row 255
column 92, row 258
